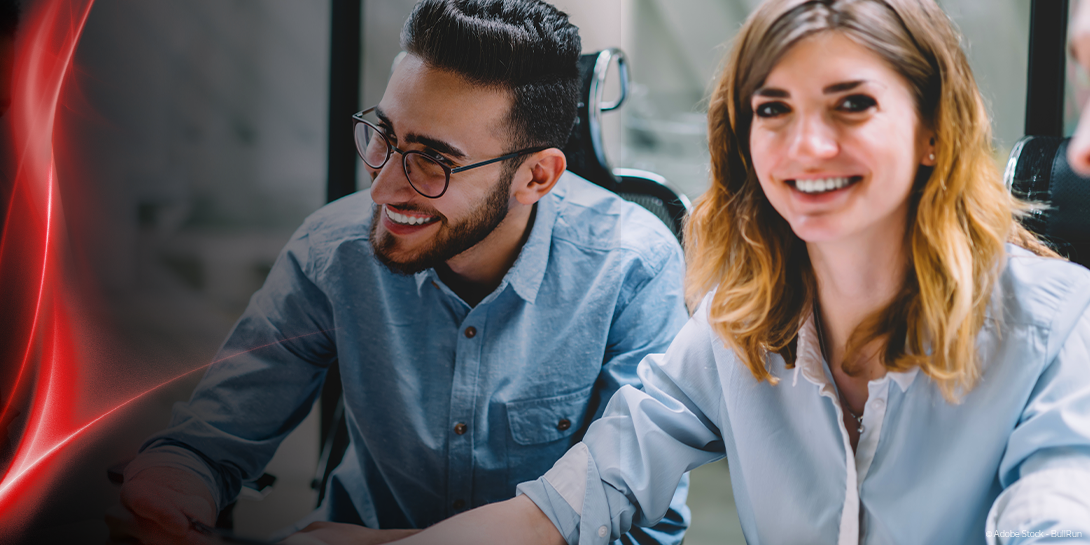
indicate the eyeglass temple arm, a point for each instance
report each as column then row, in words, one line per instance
column 500, row 158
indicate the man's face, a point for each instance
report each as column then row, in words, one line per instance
column 442, row 114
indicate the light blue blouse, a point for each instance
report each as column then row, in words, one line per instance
column 1009, row 464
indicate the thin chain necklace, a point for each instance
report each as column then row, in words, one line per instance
column 821, row 345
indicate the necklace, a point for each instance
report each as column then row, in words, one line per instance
column 821, row 345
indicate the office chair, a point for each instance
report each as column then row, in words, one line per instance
column 1037, row 171
column 587, row 158
column 586, row 151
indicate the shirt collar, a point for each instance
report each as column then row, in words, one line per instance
column 811, row 363
column 528, row 270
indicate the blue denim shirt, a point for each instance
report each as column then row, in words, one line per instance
column 1009, row 464
column 596, row 287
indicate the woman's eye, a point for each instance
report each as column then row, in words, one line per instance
column 770, row 109
column 857, row 103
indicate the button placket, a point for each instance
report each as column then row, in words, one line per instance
column 874, row 416
column 464, row 391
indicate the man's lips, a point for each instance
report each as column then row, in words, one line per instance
column 408, row 217
column 405, row 222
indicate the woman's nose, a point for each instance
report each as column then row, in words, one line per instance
column 814, row 138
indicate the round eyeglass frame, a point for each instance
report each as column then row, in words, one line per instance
column 357, row 119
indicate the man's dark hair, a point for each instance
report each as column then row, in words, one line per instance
column 9, row 17
column 527, row 47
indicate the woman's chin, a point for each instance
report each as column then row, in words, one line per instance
column 818, row 230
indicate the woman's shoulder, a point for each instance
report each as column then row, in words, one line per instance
column 1042, row 291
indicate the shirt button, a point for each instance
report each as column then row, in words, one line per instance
column 879, row 403
column 563, row 424
column 603, row 531
column 458, row 504
column 460, row 428
column 471, row 332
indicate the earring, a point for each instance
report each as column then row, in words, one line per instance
column 931, row 157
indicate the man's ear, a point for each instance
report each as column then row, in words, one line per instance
column 545, row 167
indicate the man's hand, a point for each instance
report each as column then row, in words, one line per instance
column 1078, row 151
column 157, row 505
column 333, row 533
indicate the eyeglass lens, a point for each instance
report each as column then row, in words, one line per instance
column 424, row 173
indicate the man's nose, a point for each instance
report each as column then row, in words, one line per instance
column 389, row 184
column 814, row 138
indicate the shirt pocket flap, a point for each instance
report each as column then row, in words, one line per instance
column 547, row 419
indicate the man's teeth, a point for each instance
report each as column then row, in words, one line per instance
column 406, row 219
column 821, row 185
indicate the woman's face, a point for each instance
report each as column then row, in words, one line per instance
column 836, row 141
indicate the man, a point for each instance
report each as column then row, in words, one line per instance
column 482, row 304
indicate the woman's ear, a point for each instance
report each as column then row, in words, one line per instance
column 929, row 151
column 545, row 168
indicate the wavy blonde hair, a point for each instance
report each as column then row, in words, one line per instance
column 959, row 218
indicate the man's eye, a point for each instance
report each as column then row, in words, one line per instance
column 439, row 158
column 770, row 109
column 857, row 103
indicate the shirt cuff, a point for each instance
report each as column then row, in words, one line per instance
column 1041, row 506
column 560, row 513
column 178, row 458
column 604, row 513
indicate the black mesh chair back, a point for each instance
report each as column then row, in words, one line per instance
column 586, row 151
column 1038, row 171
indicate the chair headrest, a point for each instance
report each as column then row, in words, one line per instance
column 1038, row 171
column 585, row 149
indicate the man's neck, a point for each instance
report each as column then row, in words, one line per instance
column 476, row 272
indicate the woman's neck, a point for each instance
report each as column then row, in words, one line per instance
column 855, row 279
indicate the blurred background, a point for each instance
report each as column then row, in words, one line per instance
column 201, row 127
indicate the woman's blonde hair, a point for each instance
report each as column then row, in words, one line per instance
column 960, row 213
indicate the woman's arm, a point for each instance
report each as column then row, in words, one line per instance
column 516, row 520
column 1046, row 469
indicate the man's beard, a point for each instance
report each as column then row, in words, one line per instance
column 451, row 239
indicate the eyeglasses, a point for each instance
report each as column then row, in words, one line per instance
column 427, row 174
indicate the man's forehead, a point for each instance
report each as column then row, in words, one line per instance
column 428, row 101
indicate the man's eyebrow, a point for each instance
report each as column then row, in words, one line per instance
column 433, row 143
column 381, row 115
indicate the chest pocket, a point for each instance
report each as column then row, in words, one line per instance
column 542, row 430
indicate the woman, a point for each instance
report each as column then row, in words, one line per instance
column 879, row 349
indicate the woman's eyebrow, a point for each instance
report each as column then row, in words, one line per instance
column 842, row 86
column 771, row 92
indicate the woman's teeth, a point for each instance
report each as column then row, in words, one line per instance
column 821, row 185
column 405, row 219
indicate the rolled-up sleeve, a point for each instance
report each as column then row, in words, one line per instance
column 1046, row 469
column 627, row 469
